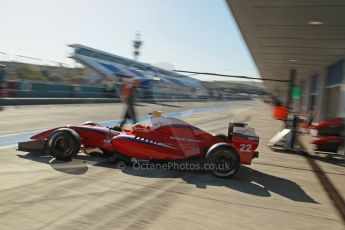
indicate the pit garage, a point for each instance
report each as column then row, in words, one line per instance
column 301, row 41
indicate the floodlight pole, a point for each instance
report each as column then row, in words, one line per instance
column 137, row 43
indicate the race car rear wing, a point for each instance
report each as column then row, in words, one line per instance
column 232, row 125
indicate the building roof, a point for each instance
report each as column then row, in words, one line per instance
column 110, row 64
column 125, row 61
column 305, row 35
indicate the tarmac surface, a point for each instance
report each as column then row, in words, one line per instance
column 278, row 191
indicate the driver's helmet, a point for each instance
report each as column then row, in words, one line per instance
column 157, row 113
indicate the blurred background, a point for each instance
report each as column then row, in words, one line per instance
column 85, row 49
column 98, row 74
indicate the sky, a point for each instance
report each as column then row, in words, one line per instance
column 196, row 35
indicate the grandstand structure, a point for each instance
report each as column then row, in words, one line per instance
column 110, row 69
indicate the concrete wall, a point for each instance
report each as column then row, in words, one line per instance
column 341, row 111
column 329, row 97
column 322, row 100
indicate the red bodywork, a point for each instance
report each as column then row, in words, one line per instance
column 168, row 142
column 336, row 122
column 323, row 140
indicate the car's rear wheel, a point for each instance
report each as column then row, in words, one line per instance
column 223, row 160
column 63, row 144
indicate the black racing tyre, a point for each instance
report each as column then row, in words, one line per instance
column 223, row 137
column 223, row 160
column 63, row 144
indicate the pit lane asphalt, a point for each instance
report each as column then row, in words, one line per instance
column 278, row 191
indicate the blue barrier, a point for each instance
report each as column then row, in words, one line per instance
column 49, row 90
column 27, row 89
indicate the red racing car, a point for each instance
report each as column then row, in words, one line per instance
column 163, row 139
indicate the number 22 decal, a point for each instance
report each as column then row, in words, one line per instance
column 245, row 147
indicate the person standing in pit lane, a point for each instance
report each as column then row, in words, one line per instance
column 128, row 98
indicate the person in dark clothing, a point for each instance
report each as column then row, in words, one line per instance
column 128, row 97
column 276, row 101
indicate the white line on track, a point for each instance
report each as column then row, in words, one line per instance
column 8, row 146
column 23, row 133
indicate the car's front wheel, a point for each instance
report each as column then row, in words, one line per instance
column 223, row 160
column 63, row 144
